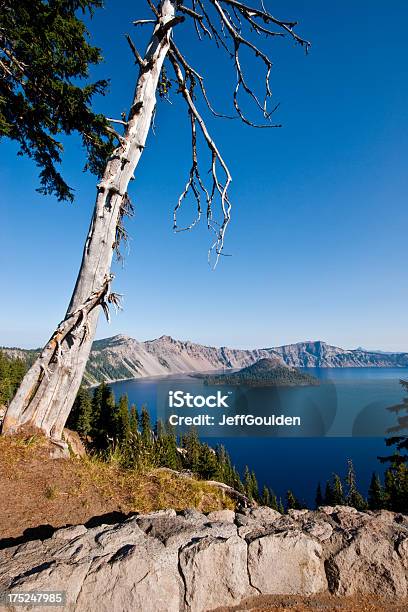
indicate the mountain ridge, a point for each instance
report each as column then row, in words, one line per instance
column 122, row 357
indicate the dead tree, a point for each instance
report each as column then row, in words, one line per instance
column 49, row 388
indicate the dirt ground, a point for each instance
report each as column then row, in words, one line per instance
column 316, row 603
column 39, row 494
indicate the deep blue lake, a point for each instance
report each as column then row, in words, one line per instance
column 346, row 418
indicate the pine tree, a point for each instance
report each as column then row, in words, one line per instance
column 5, row 384
column 281, row 508
column 11, row 374
column 235, row 482
column 105, row 425
column 400, row 442
column 396, row 487
column 338, row 494
column 122, row 424
column 319, row 499
column 146, row 427
column 354, row 497
column 254, row 487
column 248, row 483
column 134, row 420
column 98, row 394
column 207, row 463
column 192, row 445
column 268, row 498
column 80, row 419
column 376, row 499
column 44, row 55
column 166, row 447
column 291, row 501
column 329, row 494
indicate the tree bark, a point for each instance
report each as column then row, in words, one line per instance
column 48, row 390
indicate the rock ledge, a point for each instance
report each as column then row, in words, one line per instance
column 190, row 561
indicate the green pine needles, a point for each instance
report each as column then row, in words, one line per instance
column 44, row 90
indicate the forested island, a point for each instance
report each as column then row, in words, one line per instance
column 264, row 373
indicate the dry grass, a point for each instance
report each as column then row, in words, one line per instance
column 37, row 490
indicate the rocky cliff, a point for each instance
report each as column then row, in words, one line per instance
column 193, row 562
column 123, row 357
column 321, row 355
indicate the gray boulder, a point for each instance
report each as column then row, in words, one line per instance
column 287, row 563
column 191, row 562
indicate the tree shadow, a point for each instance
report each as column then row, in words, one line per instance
column 44, row 532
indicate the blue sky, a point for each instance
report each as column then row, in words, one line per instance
column 318, row 233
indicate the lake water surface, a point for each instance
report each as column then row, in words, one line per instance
column 345, row 417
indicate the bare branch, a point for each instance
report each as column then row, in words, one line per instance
column 189, row 69
column 120, row 121
column 139, row 60
column 267, row 18
column 218, row 186
column 140, row 22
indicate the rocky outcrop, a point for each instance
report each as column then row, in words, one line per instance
column 74, row 442
column 189, row 561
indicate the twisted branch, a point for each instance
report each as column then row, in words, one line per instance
column 231, row 25
column 186, row 84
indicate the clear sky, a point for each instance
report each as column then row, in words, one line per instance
column 319, row 230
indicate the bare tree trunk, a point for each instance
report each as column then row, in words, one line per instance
column 48, row 390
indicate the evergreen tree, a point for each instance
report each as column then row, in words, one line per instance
column 329, row 494
column 166, row 447
column 254, row 486
column 207, row 463
column 44, row 55
column 319, row 499
column 338, row 494
column 122, row 425
column 134, row 420
column 5, row 383
column 146, row 427
column 354, row 497
column 268, row 498
column 192, row 446
column 105, row 424
column 292, row 502
column 376, row 499
column 281, row 508
column 98, row 394
column 235, row 480
column 248, row 483
column 400, row 442
column 11, row 374
column 396, row 487
column 80, row 418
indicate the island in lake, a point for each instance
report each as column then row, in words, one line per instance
column 264, row 373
